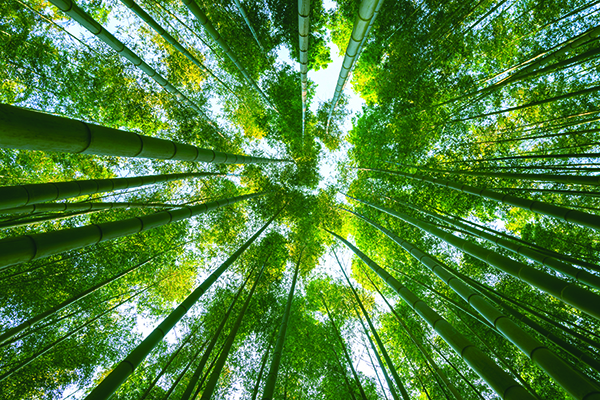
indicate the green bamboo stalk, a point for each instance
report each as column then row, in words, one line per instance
column 214, row 34
column 576, row 385
column 260, row 371
column 562, row 213
column 33, row 130
column 430, row 362
column 76, row 207
column 269, row 388
column 496, row 378
column 21, row 249
column 52, row 217
column 171, row 40
column 343, row 373
column 124, row 369
column 24, row 195
column 73, row 299
column 346, row 354
column 87, row 22
column 379, row 361
column 215, row 337
column 578, row 297
column 303, row 33
column 239, row 6
column 386, row 356
column 365, row 14
column 170, row 360
column 550, row 262
column 216, row 374
column 182, row 374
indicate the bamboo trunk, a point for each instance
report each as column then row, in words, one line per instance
column 21, row 249
column 269, row 388
column 239, row 6
column 303, row 33
column 576, row 385
column 215, row 375
column 32, row 130
column 87, row 22
column 124, row 369
column 496, row 378
column 260, row 372
column 562, row 213
column 76, row 207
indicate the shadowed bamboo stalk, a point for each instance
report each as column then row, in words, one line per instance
column 562, row 213
column 215, row 375
column 126, row 367
column 576, row 296
column 32, row 130
column 216, row 36
column 346, row 354
column 87, row 22
column 386, row 356
column 550, row 262
column 261, row 371
column 343, row 373
column 215, row 337
column 72, row 300
column 380, row 366
column 269, row 388
column 496, row 378
column 88, row 206
column 24, row 195
column 52, row 217
column 576, row 385
column 21, row 249
column 365, row 14
column 438, row 371
column 133, row 6
column 239, row 6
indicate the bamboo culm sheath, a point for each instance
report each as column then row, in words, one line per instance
column 554, row 366
column 32, row 130
column 495, row 377
column 124, row 369
column 21, row 249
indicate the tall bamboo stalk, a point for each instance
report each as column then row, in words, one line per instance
column 576, row 385
column 25, row 195
column 239, row 6
column 303, row 33
column 365, row 14
column 576, row 296
column 22, row 249
column 261, row 371
column 215, row 375
column 496, row 378
column 269, row 388
column 76, row 207
column 214, row 34
column 562, row 213
column 87, row 22
column 33, row 130
column 126, row 367
column 550, row 262
column 386, row 356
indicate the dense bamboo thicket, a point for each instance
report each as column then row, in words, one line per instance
column 186, row 214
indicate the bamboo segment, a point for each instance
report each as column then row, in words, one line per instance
column 386, row 356
column 303, row 32
column 239, row 6
column 86, row 21
column 269, row 388
column 215, row 375
column 32, row 130
column 366, row 11
column 212, row 32
column 24, row 195
column 575, row 384
column 21, row 249
column 550, row 262
column 496, row 378
column 133, row 6
column 562, row 213
column 213, row 341
column 576, row 296
column 122, row 371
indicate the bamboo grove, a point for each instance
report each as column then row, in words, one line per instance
column 184, row 214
